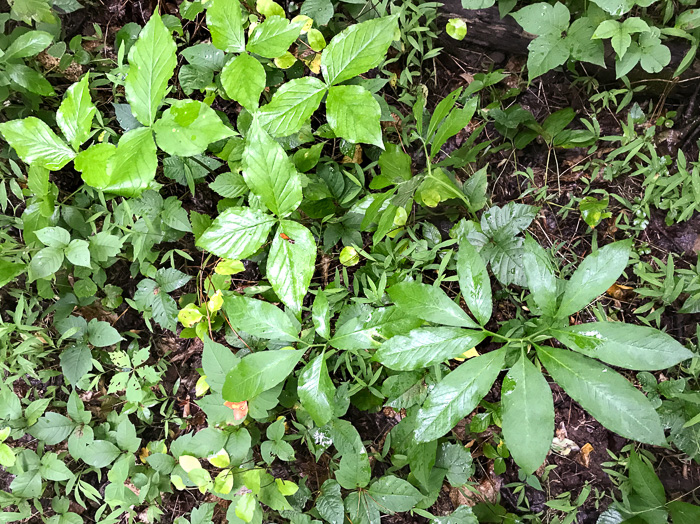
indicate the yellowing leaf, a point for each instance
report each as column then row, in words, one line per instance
column 189, row 463
column 219, row 459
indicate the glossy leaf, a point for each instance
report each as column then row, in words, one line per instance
column 424, row 347
column 225, row 22
column 605, row 394
column 291, row 106
column 269, row 173
column 258, row 372
column 272, row 38
column 217, row 361
column 188, row 127
column 260, row 319
column 369, row 330
column 625, row 345
column 236, row 233
column 594, row 276
column 528, row 415
column 243, row 79
column 429, row 303
column 152, row 63
column 320, row 313
column 540, row 276
column 354, row 115
column 316, row 390
column 474, row 281
column 36, row 144
column 75, row 114
column 684, row 513
column 357, row 49
column 291, row 263
column 457, row 395
column 27, row 44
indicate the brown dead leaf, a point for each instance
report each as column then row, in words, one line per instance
column 584, row 456
column 619, row 292
column 487, row 491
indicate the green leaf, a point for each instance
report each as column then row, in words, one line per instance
column 290, row 263
column 217, row 361
column 429, row 303
column 540, row 276
column 258, row 372
column 269, row 173
column 394, row 495
column 354, row 115
column 260, row 319
column 29, row 79
column 320, row 313
column 358, row 49
column 605, row 394
column 152, row 63
column 615, row 7
column 272, row 38
column 645, row 483
column 78, row 252
column 424, row 347
column 225, row 23
column 457, row 395
column 594, row 276
column 684, row 513
column 542, row 18
column 581, row 45
column 75, row 114
column 369, row 330
column 457, row 461
column 528, row 415
column 361, row 509
column 100, row 453
column 46, row 262
column 624, row 345
column 188, row 127
column 456, row 28
column 236, row 233
column 27, row 44
column 36, row 144
column 545, row 53
column 243, row 79
column 9, row 271
column 474, row 281
column 53, row 468
column 439, row 187
column 101, row 334
column 52, row 428
column 53, row 237
column 456, row 120
column 329, row 503
column 76, row 361
column 27, row 485
column 355, row 471
column 292, row 106
column 655, row 55
column 316, row 390
column 126, row 170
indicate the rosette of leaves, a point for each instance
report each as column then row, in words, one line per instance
column 581, row 368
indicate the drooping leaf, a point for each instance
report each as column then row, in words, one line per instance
column 236, row 233
column 260, row 319
column 474, row 281
column 258, row 372
column 528, row 415
column 316, row 390
column 188, row 127
column 152, row 63
column 225, row 22
column 291, row 263
column 605, row 394
column 292, row 106
column 354, row 115
column 423, row 347
column 429, row 303
column 269, row 173
column 75, row 114
column 457, row 395
column 357, row 49
column 625, row 345
column 594, row 276
column 243, row 79
column 36, row 144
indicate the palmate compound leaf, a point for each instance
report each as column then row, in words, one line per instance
column 625, row 345
column 605, row 394
column 237, row 233
column 152, row 63
column 528, row 414
column 424, row 347
column 291, row 263
column 457, row 395
column 357, row 49
column 269, row 173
